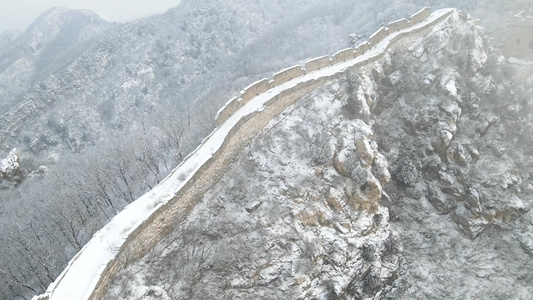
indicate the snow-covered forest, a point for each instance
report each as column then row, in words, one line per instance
column 99, row 113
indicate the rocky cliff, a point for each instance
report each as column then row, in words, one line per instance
column 405, row 179
column 10, row 168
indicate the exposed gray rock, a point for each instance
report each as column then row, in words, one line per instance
column 10, row 168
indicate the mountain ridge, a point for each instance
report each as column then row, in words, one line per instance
column 291, row 217
column 373, row 52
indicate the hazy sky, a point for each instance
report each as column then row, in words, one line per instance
column 18, row 14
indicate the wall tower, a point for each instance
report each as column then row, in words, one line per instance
column 520, row 40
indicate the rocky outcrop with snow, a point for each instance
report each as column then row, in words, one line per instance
column 190, row 56
column 10, row 168
column 407, row 179
column 283, row 222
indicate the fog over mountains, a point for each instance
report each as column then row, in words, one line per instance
column 99, row 113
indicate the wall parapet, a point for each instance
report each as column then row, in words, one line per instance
column 377, row 37
column 255, row 89
column 343, row 55
column 363, row 47
column 288, row 74
column 420, row 16
column 227, row 110
column 152, row 229
column 317, row 63
column 398, row 25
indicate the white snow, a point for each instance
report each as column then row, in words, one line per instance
column 518, row 61
column 10, row 163
column 450, row 86
column 82, row 274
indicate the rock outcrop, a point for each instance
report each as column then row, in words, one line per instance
column 282, row 223
column 10, row 168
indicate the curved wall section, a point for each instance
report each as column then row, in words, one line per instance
column 420, row 16
column 255, row 89
column 377, row 37
column 318, row 63
column 398, row 25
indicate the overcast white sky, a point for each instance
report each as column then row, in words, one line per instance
column 18, row 14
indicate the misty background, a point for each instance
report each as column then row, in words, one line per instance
column 18, row 15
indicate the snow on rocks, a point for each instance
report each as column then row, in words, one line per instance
column 465, row 220
column 293, row 227
column 10, row 168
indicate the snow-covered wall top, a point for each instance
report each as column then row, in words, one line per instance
column 318, row 63
column 143, row 223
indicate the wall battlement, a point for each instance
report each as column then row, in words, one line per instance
column 255, row 89
column 288, row 74
column 362, row 48
column 420, row 15
column 317, row 64
column 155, row 227
column 398, row 25
column 343, row 55
column 377, row 37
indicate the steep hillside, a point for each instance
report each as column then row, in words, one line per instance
column 406, row 179
column 113, row 122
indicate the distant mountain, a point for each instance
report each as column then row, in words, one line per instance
column 7, row 37
column 126, row 75
column 50, row 43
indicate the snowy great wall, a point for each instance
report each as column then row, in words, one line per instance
column 144, row 223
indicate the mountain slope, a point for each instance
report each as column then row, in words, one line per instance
column 134, row 70
column 307, row 211
column 52, row 41
column 161, row 64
